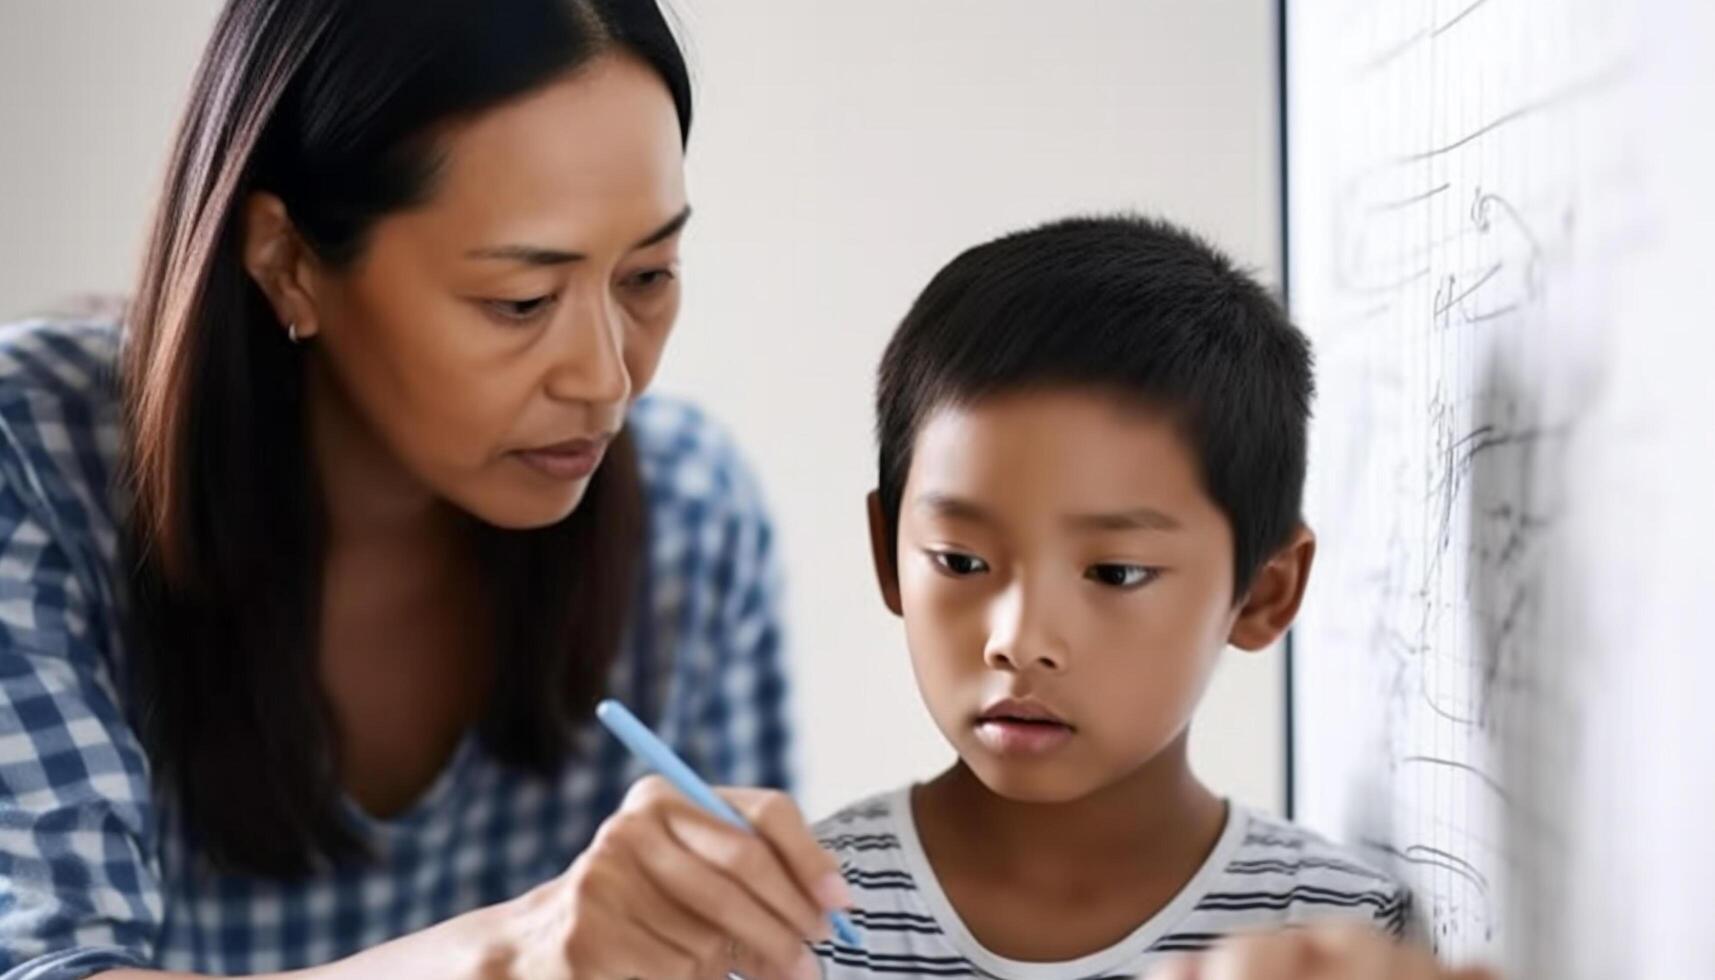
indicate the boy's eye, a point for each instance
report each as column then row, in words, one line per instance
column 519, row 310
column 959, row 565
column 1122, row 576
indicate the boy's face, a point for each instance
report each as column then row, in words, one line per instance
column 1066, row 586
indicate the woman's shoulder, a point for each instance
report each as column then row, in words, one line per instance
column 60, row 416
column 66, row 359
column 689, row 462
column 59, row 373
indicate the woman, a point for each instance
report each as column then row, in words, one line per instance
column 310, row 577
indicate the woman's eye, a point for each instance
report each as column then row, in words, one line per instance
column 651, row 279
column 960, row 565
column 519, row 310
column 1122, row 576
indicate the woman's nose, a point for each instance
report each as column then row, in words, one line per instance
column 589, row 363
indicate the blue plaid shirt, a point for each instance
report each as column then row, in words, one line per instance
column 95, row 871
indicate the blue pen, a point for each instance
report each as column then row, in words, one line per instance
column 641, row 741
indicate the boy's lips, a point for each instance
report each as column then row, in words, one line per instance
column 1020, row 709
column 1022, row 726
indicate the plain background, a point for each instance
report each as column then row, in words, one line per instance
column 842, row 152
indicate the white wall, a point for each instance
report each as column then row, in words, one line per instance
column 89, row 94
column 842, row 152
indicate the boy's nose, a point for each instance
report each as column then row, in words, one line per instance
column 1022, row 636
column 1019, row 661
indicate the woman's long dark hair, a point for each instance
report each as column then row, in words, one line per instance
column 331, row 105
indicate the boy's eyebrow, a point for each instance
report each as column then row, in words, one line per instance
column 537, row 255
column 1136, row 519
column 947, row 505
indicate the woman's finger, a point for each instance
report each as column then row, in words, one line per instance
column 1349, row 951
column 698, row 884
column 745, row 962
column 753, row 863
column 1284, row 955
column 709, row 892
column 679, row 927
column 600, row 907
column 782, row 825
column 627, row 950
column 1178, row 968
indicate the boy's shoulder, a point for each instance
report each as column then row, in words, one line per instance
column 871, row 826
column 1279, row 867
column 1270, row 839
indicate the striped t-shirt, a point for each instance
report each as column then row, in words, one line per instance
column 1262, row 873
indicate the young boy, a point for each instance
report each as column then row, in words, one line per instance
column 1092, row 443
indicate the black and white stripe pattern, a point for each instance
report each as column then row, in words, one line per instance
column 1263, row 873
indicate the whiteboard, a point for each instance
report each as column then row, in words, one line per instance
column 1500, row 241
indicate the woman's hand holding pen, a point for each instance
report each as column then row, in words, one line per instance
column 667, row 890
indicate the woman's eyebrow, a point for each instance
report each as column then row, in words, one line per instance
column 666, row 231
column 540, row 255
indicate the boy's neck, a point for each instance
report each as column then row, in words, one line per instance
column 1158, row 821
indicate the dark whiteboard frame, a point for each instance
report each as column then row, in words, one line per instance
column 1288, row 771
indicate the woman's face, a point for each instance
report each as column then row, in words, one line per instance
column 490, row 339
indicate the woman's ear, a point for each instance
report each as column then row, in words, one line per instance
column 881, row 546
column 280, row 264
column 1275, row 594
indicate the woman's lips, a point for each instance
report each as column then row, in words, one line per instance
column 571, row 460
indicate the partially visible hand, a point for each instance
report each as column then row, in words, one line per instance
column 667, row 891
column 1320, row 953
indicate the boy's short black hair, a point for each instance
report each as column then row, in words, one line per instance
column 1129, row 304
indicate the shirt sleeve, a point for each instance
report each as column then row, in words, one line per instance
column 78, row 892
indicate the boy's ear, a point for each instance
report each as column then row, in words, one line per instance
column 881, row 547
column 1275, row 594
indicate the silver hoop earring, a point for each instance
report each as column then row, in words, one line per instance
column 292, row 332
